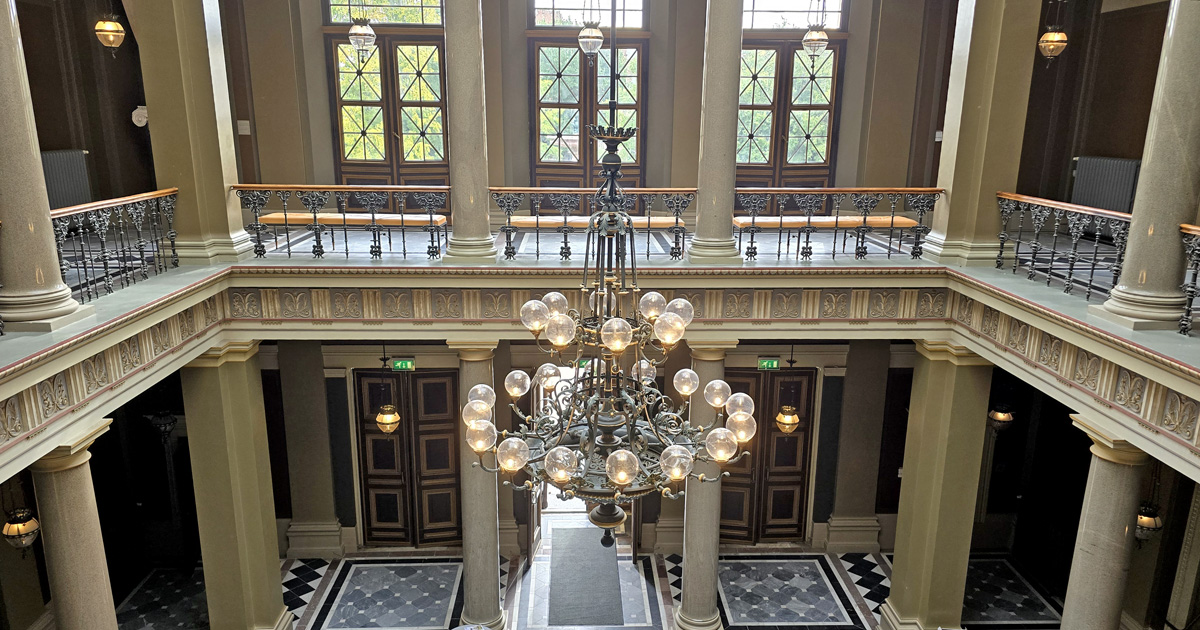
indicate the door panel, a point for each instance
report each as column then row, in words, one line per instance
column 739, row 506
column 435, row 430
column 381, row 464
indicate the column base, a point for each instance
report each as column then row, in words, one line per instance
column 233, row 249
column 853, row 534
column 315, row 540
column 49, row 325
column 510, row 538
column 960, row 253
column 1140, row 312
column 470, row 250
column 889, row 619
column 669, row 536
column 714, row 252
column 495, row 624
column 684, row 623
column 33, row 308
column 284, row 622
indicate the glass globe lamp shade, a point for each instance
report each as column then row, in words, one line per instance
column 676, row 462
column 590, row 38
column 560, row 331
column 682, row 308
column 721, row 444
column 483, row 393
column 517, row 383
column 616, row 334
column 1052, row 43
column 556, row 302
column 548, row 375
column 644, row 371
column 815, row 41
column 739, row 403
column 110, row 33
column 717, row 393
column 787, row 420
column 512, row 454
column 597, row 300
column 474, row 411
column 1148, row 522
column 535, row 315
column 362, row 36
column 387, row 419
column 561, row 464
column 621, row 467
column 21, row 528
column 652, row 305
column 742, row 425
column 481, row 435
column 686, row 382
column 1000, row 418
column 669, row 329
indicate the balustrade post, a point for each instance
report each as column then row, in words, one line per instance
column 1192, row 248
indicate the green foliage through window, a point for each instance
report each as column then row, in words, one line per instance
column 411, row 12
column 576, row 12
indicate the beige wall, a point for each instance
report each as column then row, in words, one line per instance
column 1117, row 5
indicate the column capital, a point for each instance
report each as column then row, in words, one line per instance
column 711, row 350
column 1108, row 447
column 74, row 449
column 946, row 351
column 474, row 350
column 231, row 351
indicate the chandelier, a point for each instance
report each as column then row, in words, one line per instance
column 601, row 429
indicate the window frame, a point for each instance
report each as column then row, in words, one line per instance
column 328, row 18
column 843, row 18
column 532, row 25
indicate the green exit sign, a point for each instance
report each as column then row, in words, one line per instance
column 403, row 365
column 768, row 363
column 582, row 363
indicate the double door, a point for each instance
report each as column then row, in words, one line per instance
column 409, row 478
column 765, row 496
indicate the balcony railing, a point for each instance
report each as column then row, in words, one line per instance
column 1191, row 247
column 107, row 245
column 363, row 215
column 1079, row 246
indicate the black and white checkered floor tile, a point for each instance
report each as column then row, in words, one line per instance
column 869, row 578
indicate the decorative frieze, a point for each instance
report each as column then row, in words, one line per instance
column 1179, row 415
column 95, row 373
column 835, row 304
column 931, row 303
column 1050, row 352
column 12, row 418
column 883, row 304
column 53, row 397
column 296, row 303
column 1087, row 370
column 738, row 304
column 1131, row 390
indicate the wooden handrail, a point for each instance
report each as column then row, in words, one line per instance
column 1062, row 205
column 110, row 203
column 749, row 190
column 1186, row 228
column 333, row 188
column 551, row 190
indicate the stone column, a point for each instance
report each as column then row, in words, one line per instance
column 66, row 506
column 713, row 242
column 471, row 239
column 853, row 526
column 314, row 531
column 1148, row 293
column 947, row 420
column 279, row 88
column 31, row 286
column 192, row 127
column 1187, row 572
column 231, row 470
column 985, row 125
column 1104, row 543
column 477, row 487
column 702, row 505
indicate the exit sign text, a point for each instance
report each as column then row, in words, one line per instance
column 403, row 365
column 768, row 363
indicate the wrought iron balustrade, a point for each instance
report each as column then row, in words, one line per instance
column 107, row 245
column 364, row 216
column 1191, row 248
column 1055, row 241
column 866, row 214
column 566, row 211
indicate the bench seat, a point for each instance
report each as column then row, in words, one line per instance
column 353, row 218
column 551, row 222
column 837, row 221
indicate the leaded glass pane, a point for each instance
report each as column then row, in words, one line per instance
column 757, row 85
column 558, row 74
column 808, row 136
column 558, row 134
column 358, row 75
column 419, row 69
column 413, row 12
column 754, row 136
column 791, row 14
column 625, row 118
column 576, row 12
column 421, row 134
column 362, row 132
column 627, row 76
column 812, row 81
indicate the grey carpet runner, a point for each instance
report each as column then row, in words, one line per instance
column 585, row 589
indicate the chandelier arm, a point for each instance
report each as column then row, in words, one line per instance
column 669, row 494
column 520, row 487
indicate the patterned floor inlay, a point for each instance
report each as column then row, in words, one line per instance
column 167, row 598
column 639, row 596
column 998, row 596
column 300, row 583
column 869, row 578
column 417, row 594
column 794, row 591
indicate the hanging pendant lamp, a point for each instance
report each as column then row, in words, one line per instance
column 388, row 417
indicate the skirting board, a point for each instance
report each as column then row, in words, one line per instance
column 668, row 536
column 45, row 622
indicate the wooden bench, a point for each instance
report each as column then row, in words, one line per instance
column 436, row 224
column 555, row 222
column 844, row 223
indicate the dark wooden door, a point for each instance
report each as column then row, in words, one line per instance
column 739, row 505
column 410, row 478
